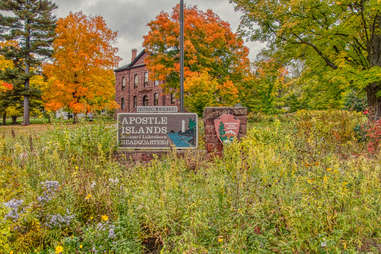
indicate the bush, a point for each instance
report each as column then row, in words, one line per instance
column 296, row 186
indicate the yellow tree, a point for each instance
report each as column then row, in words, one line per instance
column 12, row 86
column 202, row 90
column 81, row 77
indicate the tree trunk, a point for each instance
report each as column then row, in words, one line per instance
column 374, row 58
column 374, row 101
column 26, row 100
column 14, row 119
column 75, row 118
column 5, row 118
column 27, row 70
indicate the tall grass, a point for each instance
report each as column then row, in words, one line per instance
column 300, row 185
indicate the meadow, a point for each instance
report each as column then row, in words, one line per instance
column 300, row 183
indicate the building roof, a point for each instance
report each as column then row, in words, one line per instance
column 131, row 65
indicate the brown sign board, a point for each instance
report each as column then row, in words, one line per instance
column 157, row 131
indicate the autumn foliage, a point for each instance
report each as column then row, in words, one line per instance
column 212, row 52
column 4, row 86
column 81, row 78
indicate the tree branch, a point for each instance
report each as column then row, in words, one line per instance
column 320, row 53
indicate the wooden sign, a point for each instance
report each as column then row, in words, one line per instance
column 227, row 128
column 157, row 131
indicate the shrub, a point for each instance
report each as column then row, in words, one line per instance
column 374, row 135
column 289, row 187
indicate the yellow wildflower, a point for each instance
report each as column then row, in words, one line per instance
column 310, row 181
column 91, row 218
column 88, row 197
column 76, row 167
column 59, row 249
column 11, row 252
column 329, row 169
column 104, row 217
column 325, row 179
column 220, row 239
column 81, row 246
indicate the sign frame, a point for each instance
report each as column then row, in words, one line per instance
column 156, row 149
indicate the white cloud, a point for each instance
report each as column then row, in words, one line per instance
column 130, row 18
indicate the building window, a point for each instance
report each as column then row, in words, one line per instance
column 135, row 101
column 145, row 100
column 164, row 100
column 172, row 98
column 155, row 99
column 136, row 80
column 122, row 103
column 157, row 82
column 145, row 79
column 123, row 83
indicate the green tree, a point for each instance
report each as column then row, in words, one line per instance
column 31, row 23
column 338, row 41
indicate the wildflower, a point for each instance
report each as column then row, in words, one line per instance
column 104, row 217
column 11, row 252
column 81, row 246
column 114, row 181
column 325, row 179
column 366, row 112
column 14, row 205
column 88, row 197
column 93, row 184
column 50, row 188
column 329, row 169
column 76, row 167
column 91, row 217
column 58, row 220
column 220, row 239
column 310, row 181
column 111, row 232
column 59, row 249
column 323, row 244
column 101, row 227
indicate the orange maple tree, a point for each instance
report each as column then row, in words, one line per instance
column 210, row 47
column 81, row 77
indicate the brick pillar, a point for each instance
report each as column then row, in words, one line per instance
column 212, row 143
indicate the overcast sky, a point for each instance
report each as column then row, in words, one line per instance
column 130, row 18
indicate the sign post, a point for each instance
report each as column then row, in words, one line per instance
column 181, row 55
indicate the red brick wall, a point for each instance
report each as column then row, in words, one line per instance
column 129, row 91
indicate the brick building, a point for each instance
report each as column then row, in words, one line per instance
column 133, row 87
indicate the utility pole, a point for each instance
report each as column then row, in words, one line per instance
column 181, row 55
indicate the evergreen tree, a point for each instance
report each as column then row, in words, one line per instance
column 31, row 24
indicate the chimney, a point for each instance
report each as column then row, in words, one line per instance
column 134, row 53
